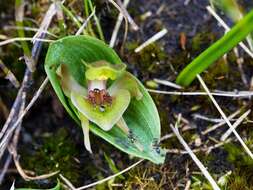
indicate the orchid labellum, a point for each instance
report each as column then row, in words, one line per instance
column 102, row 97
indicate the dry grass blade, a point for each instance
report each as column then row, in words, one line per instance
column 240, row 94
column 54, row 7
column 168, row 83
column 129, row 18
column 125, row 18
column 117, row 25
column 151, row 40
column 80, row 30
column 110, row 177
column 29, row 29
column 11, row 40
column 5, row 168
column 13, row 127
column 9, row 75
column 13, row 151
column 214, row 127
column 194, row 157
column 67, row 182
column 225, row 117
column 236, row 123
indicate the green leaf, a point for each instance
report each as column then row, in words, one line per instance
column 141, row 115
column 215, row 51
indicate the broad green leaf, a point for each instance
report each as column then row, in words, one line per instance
column 215, row 51
column 141, row 115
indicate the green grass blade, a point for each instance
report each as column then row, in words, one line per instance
column 218, row 49
column 19, row 11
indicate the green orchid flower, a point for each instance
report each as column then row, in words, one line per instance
column 102, row 97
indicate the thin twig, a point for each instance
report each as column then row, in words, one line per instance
column 9, row 75
column 239, row 94
column 67, row 182
column 151, row 40
column 225, row 117
column 236, row 123
column 13, row 151
column 194, row 157
column 5, row 168
column 110, row 177
column 168, row 83
column 52, row 10
column 129, row 18
column 125, row 18
column 29, row 29
column 85, row 22
column 4, row 141
column 11, row 40
column 214, row 127
column 117, row 25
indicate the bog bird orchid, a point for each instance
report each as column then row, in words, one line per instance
column 107, row 96
column 94, row 87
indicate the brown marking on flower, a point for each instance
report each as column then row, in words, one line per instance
column 100, row 98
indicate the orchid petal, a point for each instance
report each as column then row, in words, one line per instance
column 68, row 83
column 102, row 70
column 108, row 118
column 85, row 127
column 127, row 82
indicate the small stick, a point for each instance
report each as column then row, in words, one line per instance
column 240, row 94
column 214, row 127
column 151, row 40
column 225, row 117
column 168, row 83
column 52, row 10
column 236, row 123
column 194, row 157
column 11, row 40
column 8, row 134
column 129, row 18
column 117, row 25
column 67, row 182
column 29, row 29
column 13, row 152
column 9, row 75
column 110, row 177
column 85, row 23
column 5, row 168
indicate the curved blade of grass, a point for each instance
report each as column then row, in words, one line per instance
column 141, row 116
column 215, row 51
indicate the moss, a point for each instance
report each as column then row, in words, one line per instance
column 56, row 153
column 242, row 176
column 215, row 72
column 202, row 40
column 148, row 176
column 151, row 60
column 240, row 181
